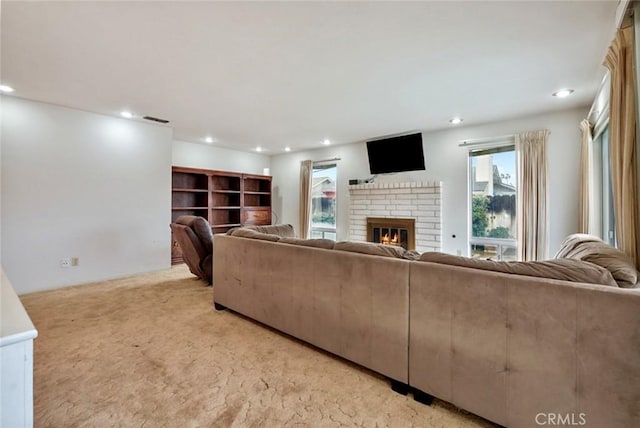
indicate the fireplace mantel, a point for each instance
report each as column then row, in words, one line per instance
column 406, row 185
column 416, row 200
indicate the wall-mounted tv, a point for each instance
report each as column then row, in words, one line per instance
column 396, row 154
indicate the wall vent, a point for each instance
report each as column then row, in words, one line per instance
column 155, row 119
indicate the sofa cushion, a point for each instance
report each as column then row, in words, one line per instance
column 562, row 269
column 592, row 249
column 327, row 244
column 282, row 230
column 244, row 232
column 370, row 248
column 411, row 255
column 233, row 229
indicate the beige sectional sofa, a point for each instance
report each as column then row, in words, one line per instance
column 520, row 344
column 338, row 301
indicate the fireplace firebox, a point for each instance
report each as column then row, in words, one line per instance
column 392, row 231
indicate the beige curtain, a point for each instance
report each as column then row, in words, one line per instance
column 306, row 182
column 532, row 209
column 585, row 178
column 622, row 142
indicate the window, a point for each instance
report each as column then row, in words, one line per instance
column 492, row 193
column 603, row 223
column 323, row 201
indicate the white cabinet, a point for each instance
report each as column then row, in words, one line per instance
column 16, row 359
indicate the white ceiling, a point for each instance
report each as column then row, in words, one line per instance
column 294, row 73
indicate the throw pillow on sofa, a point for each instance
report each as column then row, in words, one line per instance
column 592, row 249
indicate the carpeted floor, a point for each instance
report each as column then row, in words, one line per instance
column 151, row 351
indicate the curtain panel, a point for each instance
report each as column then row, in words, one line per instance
column 306, row 183
column 622, row 142
column 532, row 208
column 585, row 178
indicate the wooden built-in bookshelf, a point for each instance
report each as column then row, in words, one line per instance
column 225, row 199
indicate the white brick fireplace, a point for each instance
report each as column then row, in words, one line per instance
column 419, row 201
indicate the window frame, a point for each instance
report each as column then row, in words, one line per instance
column 501, row 244
column 601, row 179
column 325, row 232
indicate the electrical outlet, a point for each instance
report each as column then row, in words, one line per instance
column 459, row 252
column 65, row 262
column 75, row 261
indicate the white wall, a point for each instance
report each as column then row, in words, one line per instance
column 447, row 162
column 78, row 184
column 204, row 156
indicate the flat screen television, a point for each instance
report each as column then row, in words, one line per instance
column 396, row 154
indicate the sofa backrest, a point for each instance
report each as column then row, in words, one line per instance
column 562, row 269
column 581, row 258
column 281, row 230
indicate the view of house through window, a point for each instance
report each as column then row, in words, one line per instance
column 323, row 201
column 493, row 203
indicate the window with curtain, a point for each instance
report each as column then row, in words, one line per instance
column 323, row 201
column 623, row 142
column 493, row 196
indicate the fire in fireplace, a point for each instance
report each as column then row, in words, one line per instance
column 392, row 231
column 386, row 239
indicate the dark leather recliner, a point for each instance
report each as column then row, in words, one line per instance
column 195, row 238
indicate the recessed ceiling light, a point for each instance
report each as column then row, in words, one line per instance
column 258, row 149
column 287, row 149
column 126, row 114
column 208, row 140
column 455, row 120
column 563, row 93
column 6, row 89
column 326, row 142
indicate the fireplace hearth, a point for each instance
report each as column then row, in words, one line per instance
column 392, row 231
